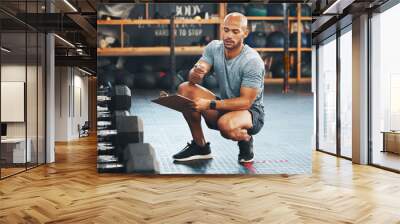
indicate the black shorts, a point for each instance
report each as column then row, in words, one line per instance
column 257, row 117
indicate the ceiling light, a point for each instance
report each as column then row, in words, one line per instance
column 70, row 5
column 337, row 7
column 65, row 41
column 84, row 71
column 5, row 50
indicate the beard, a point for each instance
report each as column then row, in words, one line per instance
column 230, row 45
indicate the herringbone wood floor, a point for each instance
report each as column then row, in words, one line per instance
column 71, row 191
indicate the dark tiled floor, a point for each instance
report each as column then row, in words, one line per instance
column 282, row 146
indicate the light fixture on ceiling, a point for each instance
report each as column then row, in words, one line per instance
column 70, row 5
column 64, row 40
column 337, row 7
column 5, row 50
column 331, row 7
column 84, row 71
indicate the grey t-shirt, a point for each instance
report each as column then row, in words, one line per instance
column 245, row 70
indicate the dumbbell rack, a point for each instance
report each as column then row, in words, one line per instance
column 107, row 159
column 120, row 143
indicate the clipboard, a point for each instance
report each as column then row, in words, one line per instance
column 176, row 102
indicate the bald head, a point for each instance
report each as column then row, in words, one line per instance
column 234, row 30
column 236, row 18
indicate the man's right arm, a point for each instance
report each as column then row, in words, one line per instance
column 204, row 65
column 199, row 70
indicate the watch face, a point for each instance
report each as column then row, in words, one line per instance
column 213, row 104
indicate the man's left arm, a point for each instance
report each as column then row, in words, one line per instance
column 251, row 83
column 243, row 102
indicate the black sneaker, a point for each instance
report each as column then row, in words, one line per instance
column 246, row 154
column 193, row 152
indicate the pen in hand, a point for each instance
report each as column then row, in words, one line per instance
column 197, row 74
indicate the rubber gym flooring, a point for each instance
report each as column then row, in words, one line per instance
column 283, row 146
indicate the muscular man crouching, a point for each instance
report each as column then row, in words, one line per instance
column 238, row 113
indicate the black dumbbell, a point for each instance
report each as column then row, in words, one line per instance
column 107, row 159
column 119, row 113
column 109, row 148
column 104, row 90
column 104, row 125
column 104, row 116
column 140, row 158
column 101, row 108
column 106, row 148
column 103, row 101
column 127, row 129
column 121, row 98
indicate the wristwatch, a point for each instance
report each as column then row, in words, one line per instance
column 213, row 104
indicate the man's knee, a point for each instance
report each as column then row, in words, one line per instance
column 229, row 131
column 226, row 128
column 194, row 91
column 184, row 88
column 187, row 90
